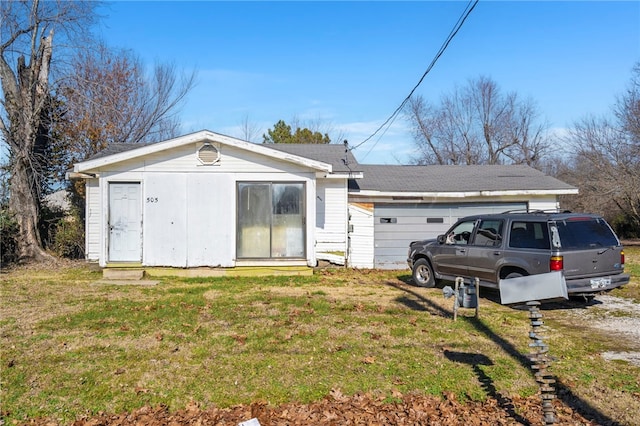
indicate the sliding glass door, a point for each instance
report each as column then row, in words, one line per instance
column 271, row 220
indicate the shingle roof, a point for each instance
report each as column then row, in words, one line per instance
column 394, row 178
column 117, row 148
column 409, row 178
column 333, row 154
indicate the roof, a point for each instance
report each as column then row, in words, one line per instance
column 340, row 158
column 436, row 179
column 116, row 148
column 373, row 180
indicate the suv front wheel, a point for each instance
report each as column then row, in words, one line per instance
column 423, row 274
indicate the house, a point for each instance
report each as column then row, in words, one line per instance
column 209, row 203
column 400, row 204
column 206, row 200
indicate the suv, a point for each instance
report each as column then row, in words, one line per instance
column 492, row 247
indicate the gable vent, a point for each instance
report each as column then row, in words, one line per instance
column 208, row 154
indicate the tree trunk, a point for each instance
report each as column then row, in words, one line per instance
column 25, row 95
column 23, row 204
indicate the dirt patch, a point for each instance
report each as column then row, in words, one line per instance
column 617, row 316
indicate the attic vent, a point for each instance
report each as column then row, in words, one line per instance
column 208, row 154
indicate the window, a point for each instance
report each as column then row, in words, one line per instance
column 585, row 234
column 489, row 233
column 461, row 233
column 270, row 220
column 534, row 235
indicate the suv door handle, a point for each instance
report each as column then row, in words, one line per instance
column 497, row 253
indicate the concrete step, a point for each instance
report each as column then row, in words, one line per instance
column 122, row 274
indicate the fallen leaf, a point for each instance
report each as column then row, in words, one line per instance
column 240, row 338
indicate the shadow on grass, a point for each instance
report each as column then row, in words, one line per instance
column 475, row 361
column 418, row 302
column 563, row 391
column 493, row 294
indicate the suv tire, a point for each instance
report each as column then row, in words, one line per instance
column 423, row 274
column 513, row 275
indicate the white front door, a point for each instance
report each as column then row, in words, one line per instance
column 125, row 222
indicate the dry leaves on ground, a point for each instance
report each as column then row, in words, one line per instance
column 338, row 409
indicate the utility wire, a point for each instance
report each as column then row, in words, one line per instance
column 389, row 121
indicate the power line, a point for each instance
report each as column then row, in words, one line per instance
column 389, row 121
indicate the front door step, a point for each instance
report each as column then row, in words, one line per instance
column 122, row 274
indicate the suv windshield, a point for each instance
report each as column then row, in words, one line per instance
column 585, row 233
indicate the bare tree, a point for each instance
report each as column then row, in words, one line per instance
column 109, row 99
column 249, row 131
column 606, row 159
column 26, row 49
column 627, row 108
column 477, row 125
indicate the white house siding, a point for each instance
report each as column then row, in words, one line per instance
column 361, row 236
column 331, row 216
column 184, row 159
column 189, row 210
column 188, row 219
column 210, row 220
column 93, row 215
column 546, row 203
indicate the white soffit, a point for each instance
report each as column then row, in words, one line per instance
column 463, row 194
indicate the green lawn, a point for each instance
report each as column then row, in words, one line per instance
column 70, row 347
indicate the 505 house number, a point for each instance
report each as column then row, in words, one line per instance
column 152, row 200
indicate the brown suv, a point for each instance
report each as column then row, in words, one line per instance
column 500, row 246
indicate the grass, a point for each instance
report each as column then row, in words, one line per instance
column 632, row 267
column 70, row 347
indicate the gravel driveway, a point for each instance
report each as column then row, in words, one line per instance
column 615, row 315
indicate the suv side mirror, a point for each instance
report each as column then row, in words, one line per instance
column 441, row 239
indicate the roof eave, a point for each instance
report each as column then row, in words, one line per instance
column 463, row 194
column 341, row 175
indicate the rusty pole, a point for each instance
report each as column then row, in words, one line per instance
column 540, row 361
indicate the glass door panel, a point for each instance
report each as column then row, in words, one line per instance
column 287, row 237
column 254, row 220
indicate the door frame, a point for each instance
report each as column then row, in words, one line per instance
column 107, row 238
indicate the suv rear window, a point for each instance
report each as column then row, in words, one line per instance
column 585, row 233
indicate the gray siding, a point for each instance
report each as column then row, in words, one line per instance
column 396, row 225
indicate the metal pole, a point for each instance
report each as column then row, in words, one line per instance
column 539, row 362
column 456, row 300
column 477, row 296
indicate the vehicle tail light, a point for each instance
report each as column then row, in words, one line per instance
column 556, row 263
column 622, row 258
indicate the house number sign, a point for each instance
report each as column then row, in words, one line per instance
column 152, row 199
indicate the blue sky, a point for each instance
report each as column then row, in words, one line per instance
column 348, row 65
